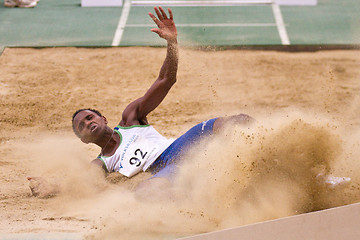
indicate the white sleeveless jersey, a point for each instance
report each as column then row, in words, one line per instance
column 140, row 146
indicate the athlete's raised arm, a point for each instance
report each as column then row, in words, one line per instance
column 135, row 113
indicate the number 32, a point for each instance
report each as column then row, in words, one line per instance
column 135, row 160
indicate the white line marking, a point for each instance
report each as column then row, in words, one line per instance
column 198, row 3
column 212, row 25
column 280, row 24
column 203, row 125
column 275, row 7
column 122, row 22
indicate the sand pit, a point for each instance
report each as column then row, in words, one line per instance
column 306, row 104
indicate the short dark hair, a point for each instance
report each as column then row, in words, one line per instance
column 80, row 110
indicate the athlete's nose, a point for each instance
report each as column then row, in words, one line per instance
column 87, row 124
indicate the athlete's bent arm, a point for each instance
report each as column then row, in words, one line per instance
column 135, row 113
column 99, row 163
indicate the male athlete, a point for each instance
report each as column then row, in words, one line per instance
column 134, row 145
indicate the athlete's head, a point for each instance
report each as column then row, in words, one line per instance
column 87, row 124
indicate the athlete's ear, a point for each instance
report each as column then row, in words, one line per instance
column 105, row 120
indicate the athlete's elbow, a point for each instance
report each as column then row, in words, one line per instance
column 173, row 80
column 168, row 81
column 172, row 77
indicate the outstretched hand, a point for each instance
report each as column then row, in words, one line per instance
column 167, row 28
column 41, row 188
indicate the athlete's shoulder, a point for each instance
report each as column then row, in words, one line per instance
column 99, row 162
column 119, row 127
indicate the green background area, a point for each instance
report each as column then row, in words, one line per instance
column 204, row 35
column 66, row 23
column 330, row 22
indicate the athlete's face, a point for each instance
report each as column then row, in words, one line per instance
column 89, row 126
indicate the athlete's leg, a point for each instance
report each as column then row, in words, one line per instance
column 241, row 119
column 164, row 166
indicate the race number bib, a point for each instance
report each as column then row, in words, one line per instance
column 136, row 153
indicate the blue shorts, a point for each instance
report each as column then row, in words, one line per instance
column 165, row 166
